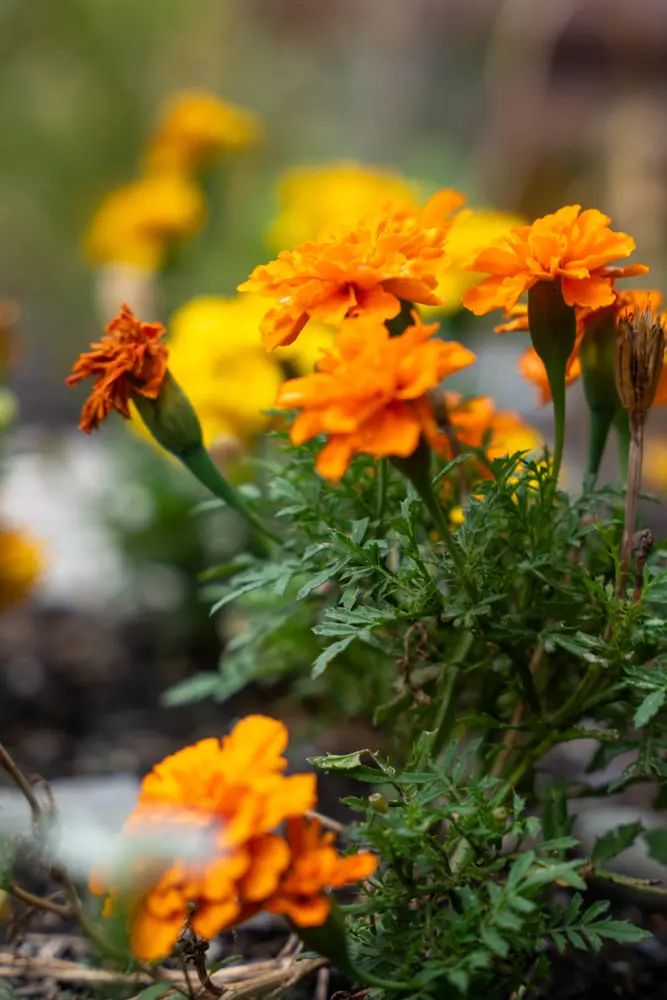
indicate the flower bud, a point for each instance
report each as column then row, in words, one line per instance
column 170, row 418
column 640, row 349
column 378, row 803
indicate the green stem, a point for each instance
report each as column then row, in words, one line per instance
column 556, row 376
column 200, row 464
column 382, row 480
column 597, row 441
column 622, row 425
column 445, row 714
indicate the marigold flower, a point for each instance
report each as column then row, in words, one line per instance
column 326, row 199
column 136, row 223
column 314, row 868
column 478, row 424
column 471, row 230
column 234, row 788
column 21, row 564
column 369, row 393
column 195, row 126
column 129, row 359
column 365, row 270
column 569, row 246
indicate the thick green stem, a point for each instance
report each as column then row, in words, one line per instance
column 553, row 333
column 200, row 464
column 597, row 441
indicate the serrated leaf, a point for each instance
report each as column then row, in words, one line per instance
column 621, row 931
column 614, row 841
column 329, row 654
column 351, row 764
column 575, row 938
column 650, row 706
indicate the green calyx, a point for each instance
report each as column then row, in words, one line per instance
column 553, row 330
column 596, row 353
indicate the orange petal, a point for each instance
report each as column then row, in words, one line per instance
column 152, row 938
column 211, row 918
column 304, row 911
column 594, row 292
column 335, row 457
column 353, row 869
column 270, row 858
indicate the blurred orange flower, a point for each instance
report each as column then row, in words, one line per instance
column 21, row 564
column 369, row 392
column 365, row 270
column 233, row 789
column 130, row 359
column 478, row 424
column 569, row 246
column 314, row 868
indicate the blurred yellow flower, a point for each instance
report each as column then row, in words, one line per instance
column 136, row 223
column 196, row 126
column 654, row 468
column 318, row 199
column 471, row 229
column 216, row 355
column 21, row 562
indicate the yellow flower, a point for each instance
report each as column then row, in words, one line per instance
column 216, row 356
column 21, row 562
column 318, row 199
column 136, row 223
column 655, row 464
column 196, row 126
column 471, row 230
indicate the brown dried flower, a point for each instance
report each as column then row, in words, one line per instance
column 640, row 348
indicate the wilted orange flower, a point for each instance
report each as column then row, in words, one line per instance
column 569, row 246
column 315, row 867
column 369, row 392
column 130, row 359
column 235, row 790
column 366, row 269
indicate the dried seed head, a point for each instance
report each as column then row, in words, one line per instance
column 640, row 349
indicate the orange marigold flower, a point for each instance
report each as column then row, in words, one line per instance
column 314, row 868
column 235, row 791
column 369, row 392
column 130, row 359
column 477, row 424
column 569, row 246
column 366, row 269
column 516, row 320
